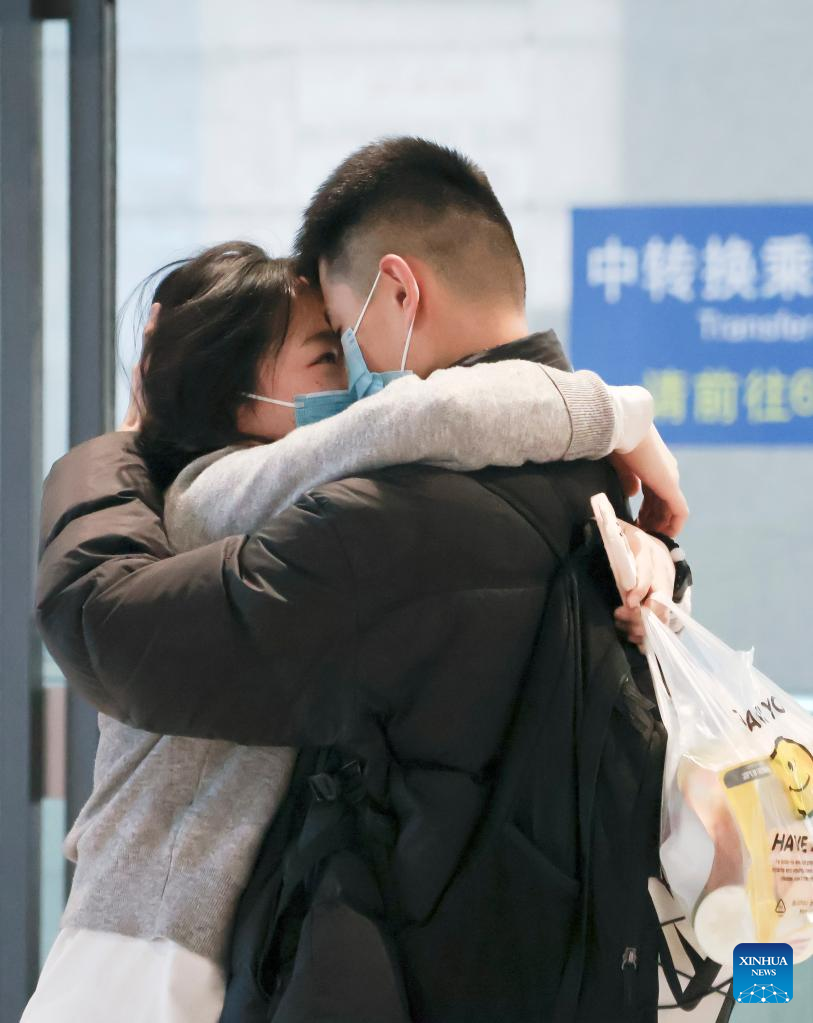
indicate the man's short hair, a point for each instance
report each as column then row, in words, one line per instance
column 412, row 197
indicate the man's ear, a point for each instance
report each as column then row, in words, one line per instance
column 408, row 291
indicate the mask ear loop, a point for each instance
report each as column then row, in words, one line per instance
column 271, row 401
column 411, row 326
column 364, row 307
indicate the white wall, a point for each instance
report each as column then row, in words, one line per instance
column 250, row 105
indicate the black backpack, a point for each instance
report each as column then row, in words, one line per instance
column 575, row 937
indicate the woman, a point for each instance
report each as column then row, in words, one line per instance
column 166, row 842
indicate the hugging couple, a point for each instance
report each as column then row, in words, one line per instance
column 331, row 520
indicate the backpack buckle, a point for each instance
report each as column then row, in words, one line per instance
column 324, row 787
column 328, row 786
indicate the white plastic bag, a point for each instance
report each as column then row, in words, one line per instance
column 737, row 812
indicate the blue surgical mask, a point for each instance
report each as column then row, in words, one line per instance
column 311, row 408
column 362, row 382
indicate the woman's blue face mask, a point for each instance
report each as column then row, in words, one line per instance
column 361, row 381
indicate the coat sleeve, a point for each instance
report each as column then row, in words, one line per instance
column 250, row 639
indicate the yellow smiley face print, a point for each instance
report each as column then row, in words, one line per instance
column 792, row 763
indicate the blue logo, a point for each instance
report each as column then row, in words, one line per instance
column 763, row 972
column 709, row 307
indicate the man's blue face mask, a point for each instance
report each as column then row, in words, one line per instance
column 362, row 382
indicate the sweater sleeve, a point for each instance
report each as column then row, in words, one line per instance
column 463, row 418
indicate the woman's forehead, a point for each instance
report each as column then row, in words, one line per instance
column 309, row 320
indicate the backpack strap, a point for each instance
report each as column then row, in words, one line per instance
column 591, row 733
column 701, row 983
column 637, row 859
column 523, row 737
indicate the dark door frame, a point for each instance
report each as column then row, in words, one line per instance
column 92, row 396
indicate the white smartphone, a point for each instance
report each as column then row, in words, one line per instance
column 619, row 554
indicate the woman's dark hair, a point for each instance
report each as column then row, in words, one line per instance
column 221, row 312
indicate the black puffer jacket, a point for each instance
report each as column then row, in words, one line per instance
column 393, row 615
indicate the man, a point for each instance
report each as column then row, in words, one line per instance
column 392, row 616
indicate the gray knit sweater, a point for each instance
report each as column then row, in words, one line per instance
column 166, row 842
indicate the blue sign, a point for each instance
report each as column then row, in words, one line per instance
column 709, row 307
column 763, row 972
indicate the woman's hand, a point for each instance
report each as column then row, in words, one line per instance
column 655, row 573
column 132, row 417
column 653, row 465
